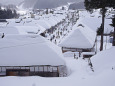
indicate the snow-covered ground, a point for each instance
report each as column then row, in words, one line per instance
column 80, row 73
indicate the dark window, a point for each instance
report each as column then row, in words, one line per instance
column 17, row 72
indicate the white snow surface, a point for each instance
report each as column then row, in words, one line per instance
column 30, row 29
column 80, row 72
column 80, row 75
column 104, row 60
column 23, row 29
column 91, row 20
column 26, row 50
column 44, row 24
column 9, row 30
column 79, row 38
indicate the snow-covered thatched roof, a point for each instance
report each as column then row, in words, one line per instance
column 80, row 37
column 9, row 30
column 44, row 24
column 51, row 21
column 27, row 50
column 23, row 29
column 30, row 29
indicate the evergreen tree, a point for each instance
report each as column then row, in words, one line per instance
column 100, row 4
column 15, row 13
column 7, row 14
column 99, row 30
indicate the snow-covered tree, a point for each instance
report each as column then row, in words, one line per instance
column 100, row 4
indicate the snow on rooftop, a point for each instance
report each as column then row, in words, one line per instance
column 44, row 24
column 88, row 53
column 57, row 19
column 42, row 29
column 30, row 29
column 91, row 21
column 51, row 21
column 80, row 74
column 80, row 37
column 9, row 30
column 21, row 12
column 27, row 50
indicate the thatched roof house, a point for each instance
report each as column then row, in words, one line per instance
column 30, row 55
column 81, row 39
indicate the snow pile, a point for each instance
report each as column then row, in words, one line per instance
column 104, row 60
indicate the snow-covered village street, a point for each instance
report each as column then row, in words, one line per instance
column 58, row 47
column 80, row 75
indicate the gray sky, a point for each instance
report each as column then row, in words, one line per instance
column 10, row 1
column 38, row 3
column 42, row 4
column 18, row 1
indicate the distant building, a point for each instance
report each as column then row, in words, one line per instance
column 32, row 15
column 18, row 20
column 3, row 22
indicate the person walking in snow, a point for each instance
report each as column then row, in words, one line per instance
column 3, row 35
column 55, row 41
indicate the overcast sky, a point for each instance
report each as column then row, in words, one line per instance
column 18, row 1
column 10, row 1
column 38, row 4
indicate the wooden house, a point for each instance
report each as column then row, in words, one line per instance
column 81, row 39
column 30, row 55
